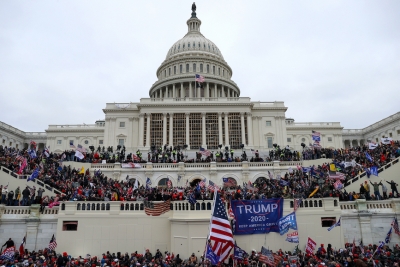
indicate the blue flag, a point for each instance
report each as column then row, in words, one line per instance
column 284, row 183
column 388, row 235
column 192, row 199
column 214, row 258
column 198, row 189
column 374, row 170
column 306, row 169
column 369, row 158
column 34, row 175
column 148, row 182
column 368, row 172
column 334, row 225
column 32, row 153
column 287, row 222
column 238, row 253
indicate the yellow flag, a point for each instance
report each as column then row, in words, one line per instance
column 313, row 192
column 82, row 171
column 332, row 167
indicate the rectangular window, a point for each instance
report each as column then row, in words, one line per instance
column 71, row 141
column 329, row 139
column 208, row 68
column 289, row 140
column 165, row 73
column 223, row 73
column 201, row 67
column 187, row 67
column 16, row 146
column 398, row 131
column 269, row 141
column 122, row 124
column 213, row 70
column 376, row 139
column 121, row 142
column 268, row 123
column 180, row 68
column 59, row 142
column 219, row 71
column 195, row 130
column 328, row 221
column 194, row 67
column 100, row 142
column 174, row 69
column 390, row 134
column 70, row 225
column 169, row 72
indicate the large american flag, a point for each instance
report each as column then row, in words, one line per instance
column 395, row 225
column 199, row 78
column 71, row 145
column 337, row 175
column 266, row 256
column 53, row 243
column 205, row 152
column 81, row 149
column 297, row 203
column 221, row 236
column 156, row 209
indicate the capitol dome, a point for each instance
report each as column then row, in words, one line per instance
column 194, row 55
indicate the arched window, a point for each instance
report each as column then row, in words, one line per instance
column 188, row 45
column 213, row 70
column 223, row 73
column 201, row 67
column 62, row 206
column 165, row 73
column 183, row 47
column 194, row 67
column 174, row 69
column 208, row 68
column 219, row 71
column 163, row 182
column 187, row 67
column 169, row 71
column 180, row 68
column 194, row 45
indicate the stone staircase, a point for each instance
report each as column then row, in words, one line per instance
column 14, row 180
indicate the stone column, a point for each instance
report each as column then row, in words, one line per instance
column 243, row 128
column 226, row 129
column 223, row 91
column 181, row 94
column 190, row 90
column 207, row 92
column 148, row 115
column 203, row 130
column 249, row 129
column 171, row 127
column 173, row 91
column 216, row 91
column 164, row 129
column 187, row 130
column 219, row 128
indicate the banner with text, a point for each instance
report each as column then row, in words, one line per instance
column 257, row 216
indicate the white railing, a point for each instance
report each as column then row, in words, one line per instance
column 314, row 124
column 53, row 126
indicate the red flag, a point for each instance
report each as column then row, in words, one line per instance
column 310, row 246
column 21, row 247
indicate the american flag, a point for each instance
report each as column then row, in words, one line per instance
column 212, row 186
column 266, row 256
column 71, row 145
column 21, row 247
column 229, row 181
column 205, row 152
column 221, row 236
column 203, row 182
column 8, row 254
column 156, row 209
column 338, row 185
column 230, row 212
column 53, row 243
column 277, row 259
column 297, row 203
column 395, row 225
column 19, row 157
column 81, row 149
column 252, row 151
column 33, row 143
column 337, row 175
column 199, row 78
column 169, row 183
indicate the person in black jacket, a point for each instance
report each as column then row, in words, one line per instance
column 393, row 186
column 25, row 196
column 9, row 243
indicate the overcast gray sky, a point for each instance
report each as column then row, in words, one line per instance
column 61, row 61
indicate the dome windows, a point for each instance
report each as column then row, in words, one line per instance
column 180, row 68
column 219, row 71
column 174, row 70
column 208, row 68
column 187, row 67
column 194, row 67
column 223, row 73
column 201, row 67
column 169, row 71
column 213, row 70
column 188, row 45
column 179, row 47
column 183, row 47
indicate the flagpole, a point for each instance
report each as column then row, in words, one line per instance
column 209, row 228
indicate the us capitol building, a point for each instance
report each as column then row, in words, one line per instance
column 178, row 113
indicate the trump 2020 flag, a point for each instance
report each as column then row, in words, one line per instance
column 8, row 254
column 293, row 237
column 287, row 222
column 335, row 224
column 34, row 175
column 388, row 236
column 214, row 258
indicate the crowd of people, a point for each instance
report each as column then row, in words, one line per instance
column 315, row 181
column 352, row 255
